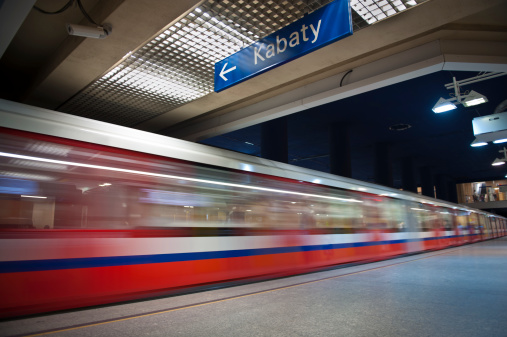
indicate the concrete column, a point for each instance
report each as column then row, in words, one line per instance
column 274, row 142
column 339, row 150
column 427, row 185
column 383, row 170
column 408, row 180
column 452, row 191
column 441, row 187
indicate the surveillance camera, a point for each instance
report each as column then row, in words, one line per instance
column 86, row 31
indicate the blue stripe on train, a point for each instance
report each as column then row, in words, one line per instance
column 111, row 261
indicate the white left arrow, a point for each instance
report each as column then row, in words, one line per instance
column 223, row 72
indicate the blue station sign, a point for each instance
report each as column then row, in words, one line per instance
column 316, row 30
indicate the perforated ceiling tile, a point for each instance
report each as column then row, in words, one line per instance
column 177, row 66
column 375, row 10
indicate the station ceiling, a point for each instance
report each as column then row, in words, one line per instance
column 155, row 73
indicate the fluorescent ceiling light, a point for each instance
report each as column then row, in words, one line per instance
column 443, row 105
column 474, row 98
column 176, row 66
column 498, row 162
column 33, row 196
column 51, row 149
column 419, row 209
column 499, row 141
column 28, row 176
column 501, row 161
column 169, row 176
column 44, row 166
column 246, row 167
column 477, row 143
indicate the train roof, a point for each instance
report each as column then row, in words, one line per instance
column 38, row 120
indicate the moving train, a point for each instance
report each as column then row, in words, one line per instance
column 93, row 213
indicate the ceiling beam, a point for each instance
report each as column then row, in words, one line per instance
column 416, row 62
column 12, row 15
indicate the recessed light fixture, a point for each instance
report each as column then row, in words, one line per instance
column 400, row 127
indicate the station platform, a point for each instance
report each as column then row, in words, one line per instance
column 460, row 291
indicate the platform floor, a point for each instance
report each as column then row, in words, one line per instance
column 454, row 292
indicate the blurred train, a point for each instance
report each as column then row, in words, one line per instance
column 93, row 213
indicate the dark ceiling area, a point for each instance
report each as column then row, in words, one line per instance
column 36, row 45
column 438, row 141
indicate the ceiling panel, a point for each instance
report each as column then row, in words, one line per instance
column 177, row 66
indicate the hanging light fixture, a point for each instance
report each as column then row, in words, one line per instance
column 444, row 105
column 474, row 98
column 500, row 161
column 478, row 143
column 467, row 99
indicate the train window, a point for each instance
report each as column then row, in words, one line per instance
column 81, row 187
column 473, row 221
column 44, row 185
column 374, row 217
column 41, row 205
column 447, row 219
column 423, row 216
column 15, row 210
column 394, row 212
column 462, row 220
column 491, row 225
column 482, row 222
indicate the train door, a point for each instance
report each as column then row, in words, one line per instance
column 454, row 228
column 473, row 224
column 413, row 228
column 495, row 230
column 491, row 225
column 481, row 227
column 461, row 219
